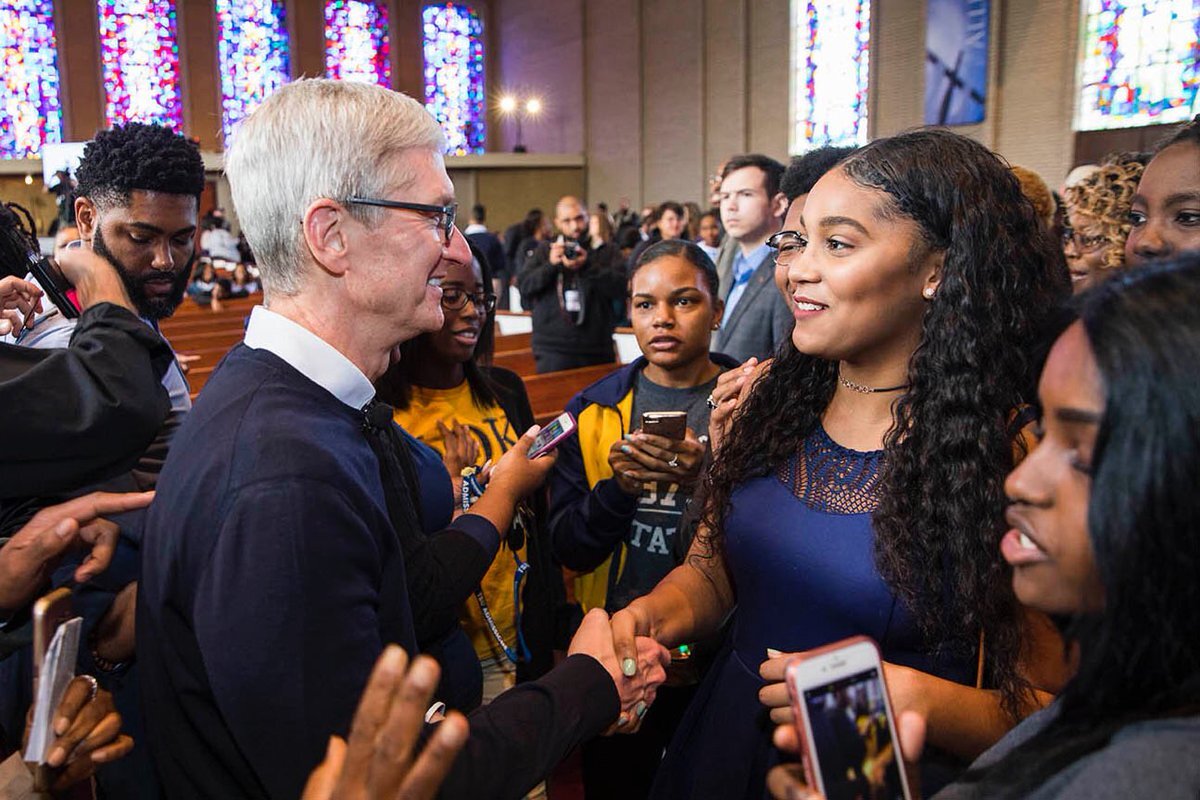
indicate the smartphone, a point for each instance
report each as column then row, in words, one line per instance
column 668, row 424
column 49, row 612
column 51, row 279
column 845, row 721
column 548, row 437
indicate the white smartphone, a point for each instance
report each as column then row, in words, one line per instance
column 847, row 729
column 548, row 437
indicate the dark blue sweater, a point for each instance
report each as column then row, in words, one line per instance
column 271, row 579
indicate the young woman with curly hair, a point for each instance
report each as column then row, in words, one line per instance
column 860, row 488
column 1098, row 220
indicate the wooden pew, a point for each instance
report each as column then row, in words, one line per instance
column 549, row 393
column 519, row 361
column 513, row 341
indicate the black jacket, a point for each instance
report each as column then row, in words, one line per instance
column 601, row 282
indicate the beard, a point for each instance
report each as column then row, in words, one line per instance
column 151, row 308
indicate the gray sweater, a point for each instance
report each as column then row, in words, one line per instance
column 1157, row 758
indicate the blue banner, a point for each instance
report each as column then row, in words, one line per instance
column 956, row 61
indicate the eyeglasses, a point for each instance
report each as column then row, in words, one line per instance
column 456, row 300
column 1084, row 242
column 447, row 213
column 787, row 246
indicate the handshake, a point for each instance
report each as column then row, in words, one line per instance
column 637, row 665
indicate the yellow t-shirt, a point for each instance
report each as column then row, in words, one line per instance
column 495, row 435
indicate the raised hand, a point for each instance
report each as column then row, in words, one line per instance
column 383, row 759
column 731, row 390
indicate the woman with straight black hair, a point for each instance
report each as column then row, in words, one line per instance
column 1103, row 533
column 860, row 488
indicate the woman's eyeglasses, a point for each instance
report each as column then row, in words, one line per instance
column 1084, row 242
column 456, row 300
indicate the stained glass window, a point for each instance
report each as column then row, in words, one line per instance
column 830, row 66
column 356, row 41
column 454, row 92
column 252, row 46
column 1140, row 63
column 139, row 57
column 30, row 115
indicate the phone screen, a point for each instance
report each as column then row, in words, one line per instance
column 852, row 738
column 550, row 434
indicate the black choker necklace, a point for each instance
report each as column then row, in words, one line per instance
column 858, row 387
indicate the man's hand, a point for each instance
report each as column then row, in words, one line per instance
column 88, row 733
column 558, row 255
column 637, row 679
column 33, row 552
column 19, row 301
column 115, row 633
column 381, row 761
column 516, row 474
column 94, row 278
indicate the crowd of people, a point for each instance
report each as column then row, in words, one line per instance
column 867, row 404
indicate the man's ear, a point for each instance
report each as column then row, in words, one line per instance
column 779, row 206
column 86, row 218
column 327, row 236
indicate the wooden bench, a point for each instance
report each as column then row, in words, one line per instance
column 519, row 361
column 513, row 341
column 550, row 392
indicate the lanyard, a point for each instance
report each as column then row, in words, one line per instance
column 471, row 491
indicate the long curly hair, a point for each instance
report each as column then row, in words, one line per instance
column 939, row 520
column 18, row 240
column 1106, row 197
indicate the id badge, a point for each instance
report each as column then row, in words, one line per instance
column 571, row 301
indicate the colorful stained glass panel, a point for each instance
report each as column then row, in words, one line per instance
column 1140, row 63
column 356, row 41
column 252, row 47
column 30, row 114
column 454, row 75
column 139, row 58
column 831, row 42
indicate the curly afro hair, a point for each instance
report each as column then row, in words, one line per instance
column 148, row 158
column 1106, row 197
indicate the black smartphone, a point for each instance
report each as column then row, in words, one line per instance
column 51, row 279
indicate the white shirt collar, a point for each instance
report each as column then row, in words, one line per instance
column 310, row 355
column 474, row 228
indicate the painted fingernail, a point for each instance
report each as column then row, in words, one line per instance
column 629, row 667
column 625, row 450
column 640, row 710
column 773, row 653
column 623, row 719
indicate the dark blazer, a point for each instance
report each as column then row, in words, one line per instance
column 760, row 320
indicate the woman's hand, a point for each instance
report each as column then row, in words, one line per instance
column 733, row 386
column 775, row 694
column 787, row 782
column 627, row 472
column 516, row 474
column 907, row 688
column 383, row 759
column 87, row 728
column 669, row 460
column 462, row 449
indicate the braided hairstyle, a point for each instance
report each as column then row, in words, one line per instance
column 18, row 241
column 939, row 521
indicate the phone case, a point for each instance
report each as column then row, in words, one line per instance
column 668, row 424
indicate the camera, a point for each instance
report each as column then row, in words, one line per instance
column 571, row 250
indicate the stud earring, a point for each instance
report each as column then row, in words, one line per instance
column 716, row 326
column 929, row 292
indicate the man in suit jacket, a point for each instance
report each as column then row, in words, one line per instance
column 757, row 317
column 277, row 561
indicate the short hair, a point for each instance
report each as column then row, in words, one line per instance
column 805, row 170
column 690, row 252
column 313, row 139
column 669, row 205
column 478, row 212
column 138, row 157
column 770, row 167
column 1188, row 132
column 1037, row 192
column 1107, row 197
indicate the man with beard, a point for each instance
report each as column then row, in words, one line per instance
column 136, row 204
